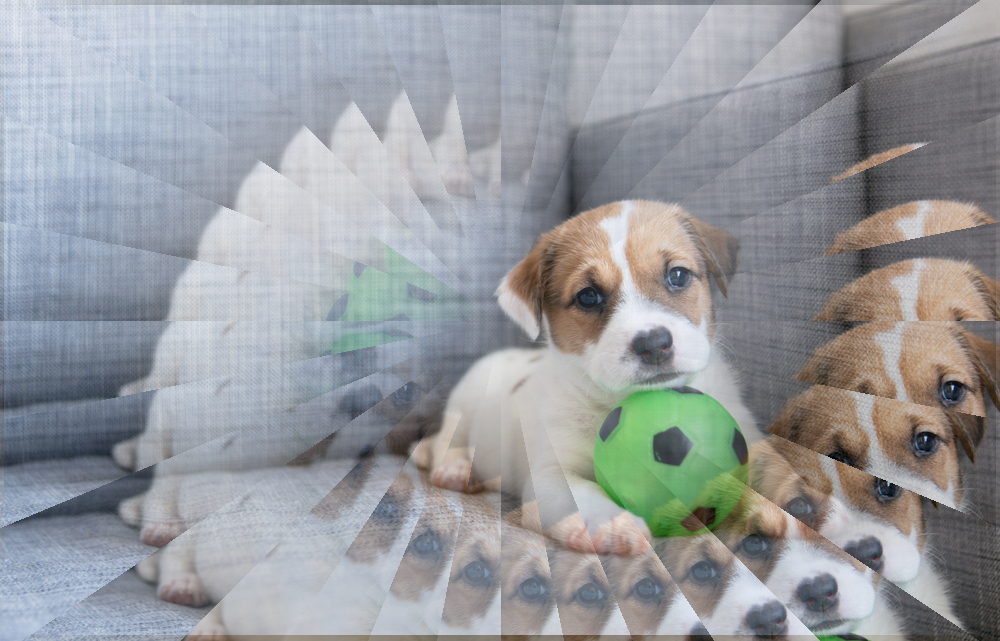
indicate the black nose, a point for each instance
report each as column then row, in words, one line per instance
column 357, row 402
column 818, row 593
column 653, row 347
column 868, row 551
column 699, row 633
column 768, row 620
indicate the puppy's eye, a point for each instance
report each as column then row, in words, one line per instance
column 703, row 572
column 647, row 589
column 589, row 298
column 531, row 589
column 678, row 277
column 425, row 544
column 405, row 394
column 952, row 393
column 754, row 545
column 800, row 508
column 885, row 490
column 476, row 572
column 925, row 443
column 590, row 594
column 842, row 456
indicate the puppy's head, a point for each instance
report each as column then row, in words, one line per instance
column 583, row 596
column 928, row 289
column 827, row 590
column 930, row 363
column 527, row 602
column 911, row 445
column 879, row 524
column 649, row 599
column 626, row 290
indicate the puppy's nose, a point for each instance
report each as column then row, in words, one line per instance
column 868, row 551
column 699, row 633
column 768, row 620
column 357, row 402
column 818, row 593
column 653, row 347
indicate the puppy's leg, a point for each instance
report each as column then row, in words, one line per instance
column 161, row 522
column 210, row 628
column 178, row 582
column 130, row 510
column 448, row 456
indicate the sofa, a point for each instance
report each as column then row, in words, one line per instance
column 129, row 129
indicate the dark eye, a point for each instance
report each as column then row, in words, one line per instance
column 925, row 442
column 885, row 490
column 678, row 277
column 841, row 456
column 589, row 298
column 425, row 544
column 405, row 394
column 590, row 594
column 800, row 508
column 703, row 572
column 476, row 572
column 646, row 589
column 952, row 393
column 531, row 589
column 754, row 545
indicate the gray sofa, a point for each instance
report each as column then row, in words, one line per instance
column 125, row 129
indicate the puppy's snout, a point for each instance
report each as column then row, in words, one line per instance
column 768, row 620
column 654, row 346
column 699, row 633
column 868, row 551
column 818, row 593
column 357, row 402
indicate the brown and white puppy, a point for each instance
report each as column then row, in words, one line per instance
column 623, row 293
column 925, row 289
column 914, row 446
column 940, row 364
column 908, row 221
column 877, row 159
column 877, row 522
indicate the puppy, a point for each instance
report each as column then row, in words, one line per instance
column 876, row 522
column 908, row 221
column 877, row 159
column 926, row 289
column 623, row 294
column 930, row 363
column 914, row 446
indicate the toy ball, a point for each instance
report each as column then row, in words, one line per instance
column 676, row 458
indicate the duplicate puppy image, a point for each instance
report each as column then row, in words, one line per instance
column 914, row 446
column 877, row 522
column 908, row 221
column 931, row 363
column 877, row 159
column 623, row 294
column 925, row 289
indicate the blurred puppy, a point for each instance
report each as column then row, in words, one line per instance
column 926, row 289
column 908, row 221
column 931, row 363
column 915, row 446
column 877, row 522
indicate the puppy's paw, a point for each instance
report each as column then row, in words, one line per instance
column 571, row 533
column 455, row 475
column 130, row 510
column 624, row 535
column 184, row 589
column 422, row 453
column 124, row 454
column 159, row 534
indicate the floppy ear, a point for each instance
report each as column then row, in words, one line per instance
column 520, row 292
column 969, row 430
column 990, row 290
column 787, row 424
column 816, row 370
column 984, row 359
column 835, row 308
column 720, row 249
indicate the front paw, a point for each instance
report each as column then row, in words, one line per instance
column 159, row 534
column 455, row 475
column 184, row 589
column 624, row 535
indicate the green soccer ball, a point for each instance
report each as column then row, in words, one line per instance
column 676, row 458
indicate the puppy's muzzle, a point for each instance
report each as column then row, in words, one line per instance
column 655, row 346
column 699, row 633
column 768, row 620
column 818, row 593
column 868, row 551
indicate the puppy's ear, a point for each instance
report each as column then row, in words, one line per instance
column 788, row 424
column 969, row 430
column 816, row 370
column 836, row 308
column 520, row 292
column 984, row 358
column 990, row 291
column 720, row 249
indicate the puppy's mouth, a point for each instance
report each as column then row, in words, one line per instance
column 829, row 625
column 661, row 379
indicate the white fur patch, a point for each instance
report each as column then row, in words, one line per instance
column 908, row 286
column 518, row 310
column 617, row 230
column 891, row 343
column 913, row 227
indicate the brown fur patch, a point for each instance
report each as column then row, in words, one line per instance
column 881, row 229
column 573, row 576
column 383, row 526
column 876, row 159
column 430, row 547
column 642, row 615
column 525, row 565
column 477, row 548
column 680, row 554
